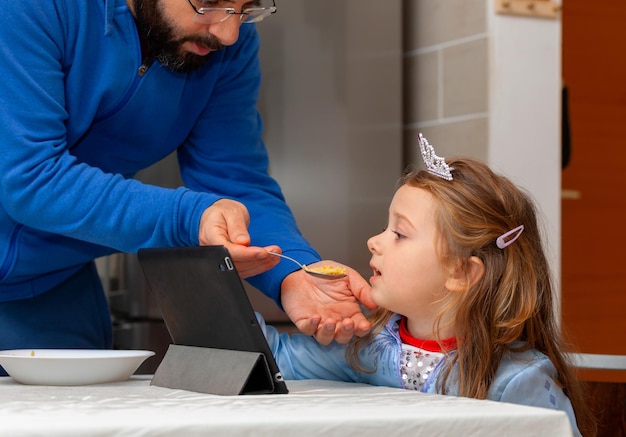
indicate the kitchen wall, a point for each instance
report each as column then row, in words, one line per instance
column 332, row 106
column 446, row 70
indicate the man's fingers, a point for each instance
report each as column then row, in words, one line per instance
column 326, row 332
column 345, row 331
column 238, row 229
column 225, row 221
column 308, row 326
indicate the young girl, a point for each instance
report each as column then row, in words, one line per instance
column 465, row 299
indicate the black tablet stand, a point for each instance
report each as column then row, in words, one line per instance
column 214, row 371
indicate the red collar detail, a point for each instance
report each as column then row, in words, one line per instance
column 428, row 345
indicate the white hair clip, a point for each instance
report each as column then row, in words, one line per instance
column 434, row 164
column 502, row 242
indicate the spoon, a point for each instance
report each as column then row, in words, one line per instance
column 326, row 272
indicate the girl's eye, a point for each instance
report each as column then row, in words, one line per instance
column 399, row 236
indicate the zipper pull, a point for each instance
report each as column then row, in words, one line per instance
column 146, row 63
column 142, row 70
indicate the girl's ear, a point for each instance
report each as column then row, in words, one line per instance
column 474, row 271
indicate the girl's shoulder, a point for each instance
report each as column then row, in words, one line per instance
column 528, row 377
column 524, row 362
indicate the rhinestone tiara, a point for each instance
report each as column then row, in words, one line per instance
column 434, row 164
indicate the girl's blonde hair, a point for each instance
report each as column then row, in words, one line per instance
column 512, row 302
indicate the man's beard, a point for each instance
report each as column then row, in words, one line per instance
column 162, row 43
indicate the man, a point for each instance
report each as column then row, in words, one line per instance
column 93, row 91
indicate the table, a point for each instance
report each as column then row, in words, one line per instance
column 312, row 408
column 598, row 361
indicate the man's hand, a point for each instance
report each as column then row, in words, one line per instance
column 226, row 223
column 327, row 308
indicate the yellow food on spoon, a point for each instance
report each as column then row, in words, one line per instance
column 328, row 270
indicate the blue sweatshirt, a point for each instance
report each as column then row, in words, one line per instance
column 77, row 121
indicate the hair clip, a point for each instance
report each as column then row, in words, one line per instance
column 500, row 241
column 434, row 164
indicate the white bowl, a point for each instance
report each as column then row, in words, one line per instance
column 71, row 366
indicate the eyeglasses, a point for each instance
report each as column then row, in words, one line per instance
column 217, row 15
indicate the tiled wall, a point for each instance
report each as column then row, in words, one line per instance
column 446, row 76
column 331, row 104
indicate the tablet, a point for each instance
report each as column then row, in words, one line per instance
column 204, row 303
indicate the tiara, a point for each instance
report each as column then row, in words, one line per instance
column 434, row 164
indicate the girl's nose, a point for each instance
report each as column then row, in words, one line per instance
column 372, row 244
column 227, row 31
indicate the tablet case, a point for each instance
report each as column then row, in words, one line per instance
column 218, row 345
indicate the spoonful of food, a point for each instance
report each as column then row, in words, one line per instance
column 325, row 271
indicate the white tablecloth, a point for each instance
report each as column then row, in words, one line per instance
column 312, row 408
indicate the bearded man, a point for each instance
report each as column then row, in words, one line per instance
column 93, row 91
